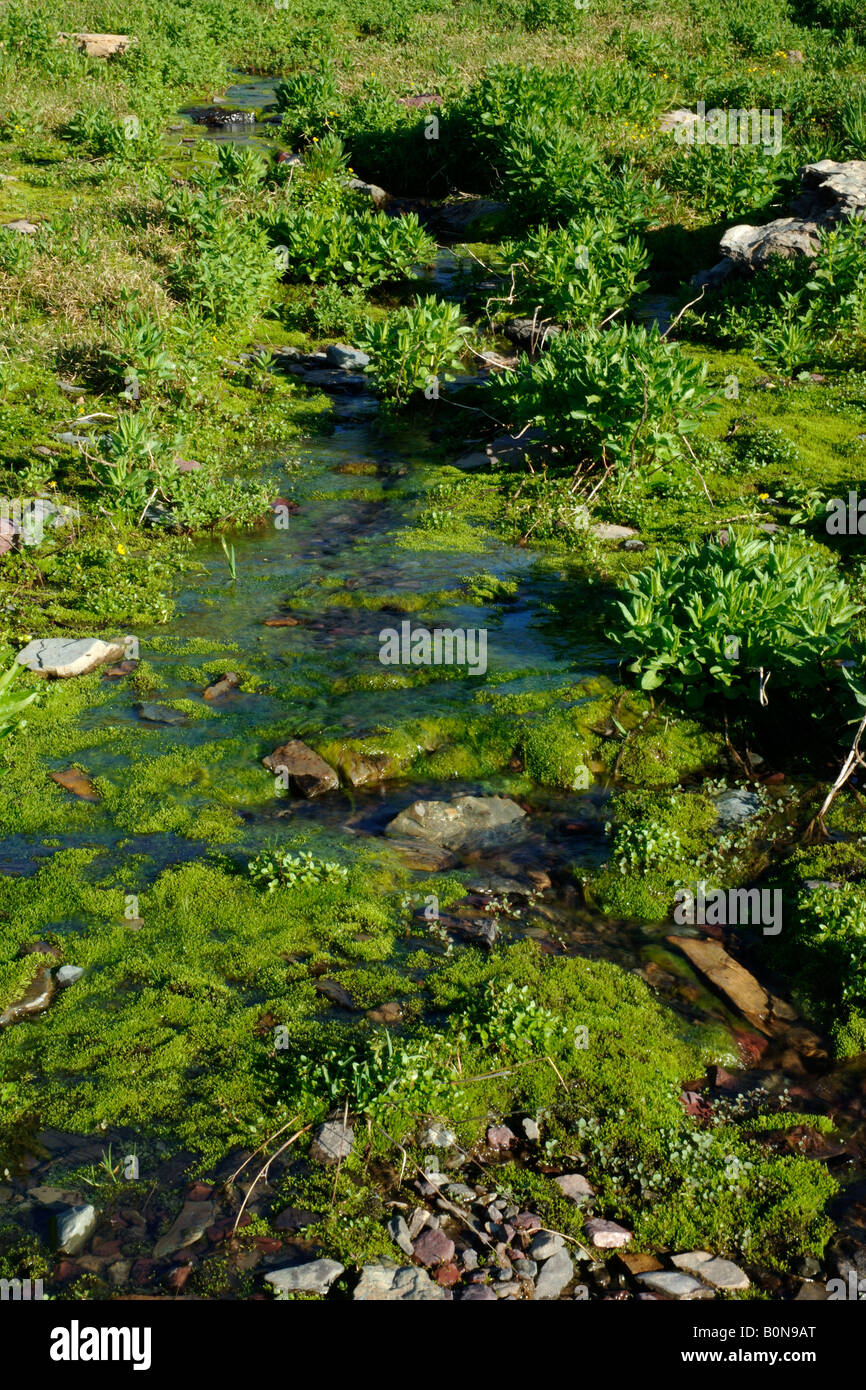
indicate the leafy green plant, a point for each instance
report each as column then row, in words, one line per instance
column 506, row 1018
column 415, row 347
column 229, row 552
column 230, row 272
column 622, row 398
column 577, row 274
column 279, row 868
column 340, row 244
column 377, row 1076
column 307, row 101
column 16, row 252
column 12, row 706
column 130, row 457
column 241, row 166
column 725, row 180
column 717, row 618
column 137, row 348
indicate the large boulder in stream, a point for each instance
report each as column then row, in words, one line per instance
column 467, row 823
column 304, row 770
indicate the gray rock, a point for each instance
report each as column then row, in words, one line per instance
column 530, row 334
column 531, row 1130
column 22, row 226
column 314, row 1276
column 478, row 1293
column 466, row 823
column 387, row 1283
column 555, row 1274
column 67, row 975
column 378, row 197
column 527, row 1268
column 187, row 1228
column 74, row 1227
column 61, row 657
column 348, row 358
column 831, row 192
column 672, row 1284
column 545, row 1245
column 722, row 1274
column 331, row 1142
column 400, row 1234
column 734, row 807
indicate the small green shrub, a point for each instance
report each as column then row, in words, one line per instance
column 415, row 347
column 577, row 274
column 280, row 868
column 621, row 397
column 708, row 620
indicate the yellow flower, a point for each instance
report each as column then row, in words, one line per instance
column 121, row 550
column 762, row 496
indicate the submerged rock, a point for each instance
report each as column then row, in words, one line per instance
column 76, row 782
column 61, row 657
column 307, row 773
column 736, row 806
column 73, row 1228
column 188, row 1227
column 467, row 823
column 728, row 976
column 160, row 714
column 230, row 681
column 34, row 1000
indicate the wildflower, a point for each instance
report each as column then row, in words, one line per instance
column 121, row 549
column 763, row 496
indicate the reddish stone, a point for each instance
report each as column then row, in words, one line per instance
column 224, row 1227
column 142, row 1272
column 178, row 1276
column 67, row 1269
column 433, row 1247
column 501, row 1137
column 268, row 1245
column 199, row 1192
column 282, row 622
column 752, row 1047
column 527, row 1221
column 106, row 1247
column 187, row 465
column 446, row 1275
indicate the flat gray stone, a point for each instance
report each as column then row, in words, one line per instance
column 387, row 1283
column 545, row 1245
column 400, row 1234
column 347, row 358
column 722, row 1274
column 314, row 1276
column 331, row 1142
column 555, row 1274
column 734, row 807
column 189, row 1226
column 61, row 657
column 73, row 1228
column 672, row 1284
column 306, row 772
